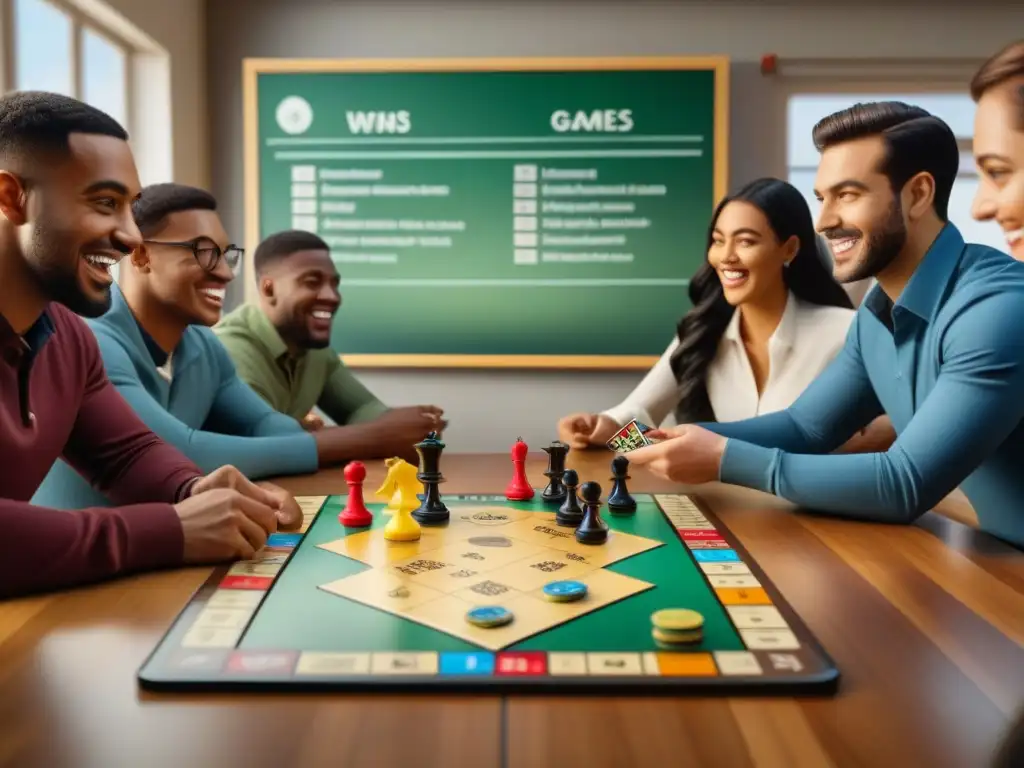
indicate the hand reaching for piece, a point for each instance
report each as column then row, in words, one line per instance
column 686, row 454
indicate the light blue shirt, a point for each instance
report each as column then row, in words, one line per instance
column 946, row 363
column 205, row 410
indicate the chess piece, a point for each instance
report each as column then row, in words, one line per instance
column 570, row 513
column 432, row 511
column 619, row 499
column 406, row 483
column 592, row 530
column 402, row 526
column 355, row 514
column 519, row 489
column 555, row 492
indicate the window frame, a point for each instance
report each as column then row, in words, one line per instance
column 80, row 23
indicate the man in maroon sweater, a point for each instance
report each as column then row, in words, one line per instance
column 67, row 181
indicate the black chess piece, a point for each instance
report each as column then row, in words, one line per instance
column 592, row 530
column 555, row 492
column 570, row 513
column 619, row 499
column 431, row 510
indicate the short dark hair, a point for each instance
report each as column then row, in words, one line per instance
column 1006, row 65
column 41, row 122
column 280, row 245
column 158, row 201
column 915, row 141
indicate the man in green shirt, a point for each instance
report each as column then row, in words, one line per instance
column 281, row 348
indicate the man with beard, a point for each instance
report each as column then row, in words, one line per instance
column 281, row 348
column 937, row 345
column 67, row 179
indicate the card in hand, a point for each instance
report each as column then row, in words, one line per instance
column 629, row 438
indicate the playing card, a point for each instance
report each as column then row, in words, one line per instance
column 629, row 438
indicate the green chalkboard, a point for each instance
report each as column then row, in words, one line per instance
column 532, row 213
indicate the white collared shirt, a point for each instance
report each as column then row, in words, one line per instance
column 806, row 340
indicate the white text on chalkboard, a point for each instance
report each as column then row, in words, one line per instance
column 379, row 122
column 598, row 120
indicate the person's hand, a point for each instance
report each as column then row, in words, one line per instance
column 687, row 454
column 580, row 430
column 289, row 513
column 412, row 423
column 221, row 524
column 229, row 477
column 311, row 422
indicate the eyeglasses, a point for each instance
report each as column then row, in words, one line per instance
column 208, row 256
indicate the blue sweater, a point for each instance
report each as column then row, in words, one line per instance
column 206, row 411
column 946, row 363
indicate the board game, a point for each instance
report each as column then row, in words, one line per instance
column 529, row 589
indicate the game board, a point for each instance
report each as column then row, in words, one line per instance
column 345, row 609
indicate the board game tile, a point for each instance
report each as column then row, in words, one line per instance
column 722, row 569
column 734, row 580
column 194, row 660
column 254, row 568
column 567, row 663
column 743, row 596
column 675, row 500
column 649, row 661
column 234, row 598
column 466, row 663
column 260, row 583
column 708, row 544
column 618, row 546
column 769, row 639
column 283, row 540
column 687, row 664
column 615, row 664
column 215, row 616
column 517, row 663
column 716, row 556
column 695, row 534
column 756, row 617
column 452, row 568
column 381, row 589
column 211, row 637
column 316, row 663
column 737, row 663
column 262, row 662
column 411, row 663
column 532, row 573
column 487, row 516
column 780, row 664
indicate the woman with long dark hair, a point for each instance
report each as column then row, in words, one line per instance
column 998, row 89
column 767, row 317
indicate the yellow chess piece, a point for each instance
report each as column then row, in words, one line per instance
column 402, row 493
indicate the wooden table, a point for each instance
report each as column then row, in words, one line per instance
column 925, row 622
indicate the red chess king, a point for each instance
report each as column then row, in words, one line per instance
column 519, row 489
column 355, row 514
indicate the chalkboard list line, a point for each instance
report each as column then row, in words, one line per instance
column 604, row 139
column 470, row 154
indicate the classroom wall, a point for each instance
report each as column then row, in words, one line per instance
column 489, row 409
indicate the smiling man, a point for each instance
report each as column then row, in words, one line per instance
column 281, row 348
column 937, row 345
column 67, row 181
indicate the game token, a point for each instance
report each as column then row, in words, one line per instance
column 489, row 616
column 663, row 637
column 677, row 620
column 565, row 591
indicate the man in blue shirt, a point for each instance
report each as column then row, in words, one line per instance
column 938, row 345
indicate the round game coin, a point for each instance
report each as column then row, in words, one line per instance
column 677, row 620
column 489, row 616
column 565, row 591
column 670, row 638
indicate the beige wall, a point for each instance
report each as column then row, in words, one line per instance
column 488, row 409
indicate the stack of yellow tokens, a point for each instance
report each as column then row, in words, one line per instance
column 674, row 627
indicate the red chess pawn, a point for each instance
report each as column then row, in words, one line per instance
column 519, row 489
column 355, row 514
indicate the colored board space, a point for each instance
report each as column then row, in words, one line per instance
column 330, row 608
column 472, row 206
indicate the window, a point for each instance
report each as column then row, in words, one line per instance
column 103, row 75
column 957, row 109
column 43, row 45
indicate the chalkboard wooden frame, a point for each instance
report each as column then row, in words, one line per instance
column 254, row 67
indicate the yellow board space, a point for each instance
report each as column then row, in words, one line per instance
column 486, row 556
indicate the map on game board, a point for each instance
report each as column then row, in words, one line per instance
column 486, row 555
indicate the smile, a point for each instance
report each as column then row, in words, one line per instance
column 320, row 314
column 733, row 277
column 214, row 295
column 99, row 265
column 839, row 247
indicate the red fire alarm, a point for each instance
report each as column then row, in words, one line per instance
column 769, row 63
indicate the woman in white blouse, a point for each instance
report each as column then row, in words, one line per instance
column 767, row 317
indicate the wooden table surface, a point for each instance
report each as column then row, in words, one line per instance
column 925, row 622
